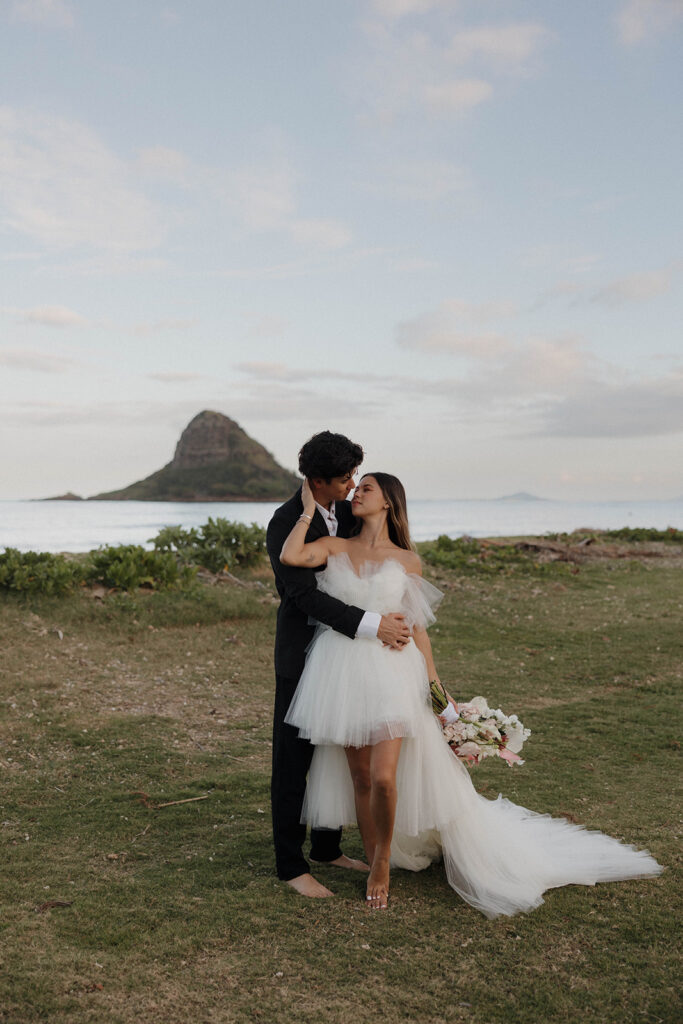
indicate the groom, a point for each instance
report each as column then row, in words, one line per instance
column 329, row 462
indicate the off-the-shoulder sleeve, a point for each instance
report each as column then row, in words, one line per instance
column 420, row 601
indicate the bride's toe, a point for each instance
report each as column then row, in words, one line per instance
column 377, row 898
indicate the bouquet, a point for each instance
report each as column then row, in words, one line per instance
column 475, row 731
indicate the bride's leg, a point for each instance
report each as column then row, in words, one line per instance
column 383, row 762
column 359, row 765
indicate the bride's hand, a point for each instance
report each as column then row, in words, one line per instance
column 307, row 498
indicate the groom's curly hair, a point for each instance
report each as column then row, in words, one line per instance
column 326, row 455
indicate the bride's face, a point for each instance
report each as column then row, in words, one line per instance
column 368, row 498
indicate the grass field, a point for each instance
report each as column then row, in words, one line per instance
column 173, row 914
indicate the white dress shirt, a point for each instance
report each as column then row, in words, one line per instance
column 369, row 624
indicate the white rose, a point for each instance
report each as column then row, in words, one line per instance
column 515, row 738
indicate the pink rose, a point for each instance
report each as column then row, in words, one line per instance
column 469, row 752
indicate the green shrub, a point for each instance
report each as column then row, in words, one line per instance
column 218, row 544
column 127, row 566
column 472, row 556
column 38, row 572
column 643, row 533
column 177, row 540
column 633, row 534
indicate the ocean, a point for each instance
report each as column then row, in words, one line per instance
column 82, row 525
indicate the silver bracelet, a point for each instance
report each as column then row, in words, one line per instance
column 304, row 516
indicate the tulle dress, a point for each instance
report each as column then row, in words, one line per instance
column 499, row 857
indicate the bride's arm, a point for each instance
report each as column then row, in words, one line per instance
column 295, row 550
column 424, row 644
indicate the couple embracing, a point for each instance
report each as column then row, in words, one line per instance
column 355, row 740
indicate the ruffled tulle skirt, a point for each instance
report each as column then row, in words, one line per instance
column 357, row 692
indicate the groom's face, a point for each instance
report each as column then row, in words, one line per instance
column 336, row 489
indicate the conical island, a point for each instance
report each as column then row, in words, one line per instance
column 215, row 460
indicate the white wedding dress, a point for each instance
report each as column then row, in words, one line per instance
column 499, row 857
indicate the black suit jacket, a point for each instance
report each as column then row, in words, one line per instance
column 299, row 594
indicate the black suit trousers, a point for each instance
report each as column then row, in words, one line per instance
column 291, row 760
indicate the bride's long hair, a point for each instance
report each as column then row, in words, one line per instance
column 397, row 515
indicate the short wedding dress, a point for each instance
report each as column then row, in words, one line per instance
column 498, row 857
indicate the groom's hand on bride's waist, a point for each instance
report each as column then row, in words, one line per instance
column 394, row 631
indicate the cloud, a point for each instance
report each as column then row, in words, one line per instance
column 265, row 326
column 61, row 186
column 433, row 336
column 257, row 197
column 176, row 377
column 394, row 9
column 264, row 371
column 319, row 234
column 427, row 181
column 170, row 17
column 449, row 328
column 47, row 13
column 538, row 387
column 38, row 362
column 581, row 264
column 47, row 316
column 628, row 409
column 410, row 69
column 634, row 288
column 457, row 96
column 639, row 20
column 160, row 326
column 264, row 200
column 506, row 47
column 535, row 369
column 563, row 289
column 551, row 386
column 54, row 316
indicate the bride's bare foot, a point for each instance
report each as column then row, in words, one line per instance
column 349, row 862
column 377, row 891
column 306, row 885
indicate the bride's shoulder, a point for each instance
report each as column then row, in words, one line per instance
column 410, row 560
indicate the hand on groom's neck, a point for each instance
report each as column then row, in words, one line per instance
column 322, row 499
column 321, row 492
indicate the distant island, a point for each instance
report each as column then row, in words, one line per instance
column 521, row 496
column 214, row 460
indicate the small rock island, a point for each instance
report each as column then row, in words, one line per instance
column 215, row 460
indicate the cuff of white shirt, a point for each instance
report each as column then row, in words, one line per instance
column 368, row 625
column 450, row 714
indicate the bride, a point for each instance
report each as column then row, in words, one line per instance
column 380, row 760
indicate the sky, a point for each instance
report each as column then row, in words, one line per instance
column 450, row 229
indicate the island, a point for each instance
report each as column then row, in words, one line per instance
column 69, row 496
column 520, row 496
column 214, row 460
